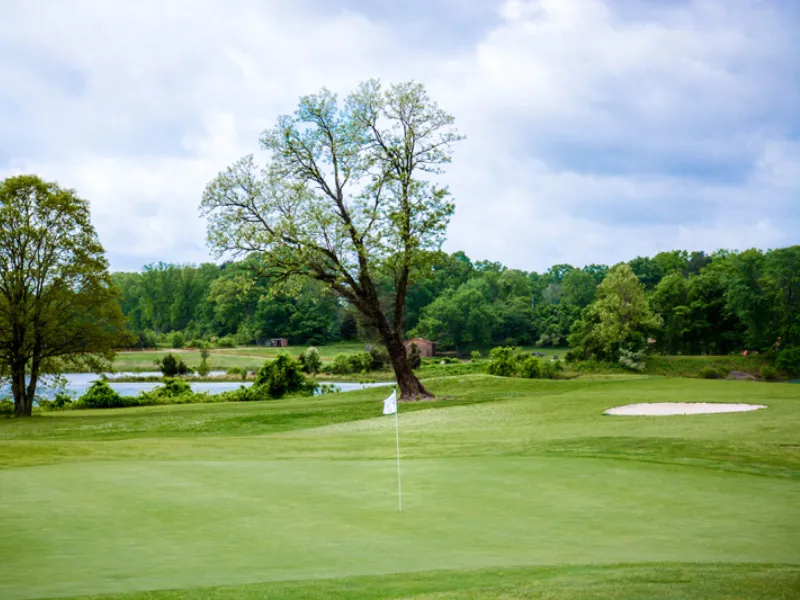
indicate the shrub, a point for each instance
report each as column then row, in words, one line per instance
column 709, row 373
column 347, row 364
column 6, row 407
column 101, row 395
column 361, row 362
column 768, row 373
column 62, row 400
column 234, row 371
column 530, row 367
column 788, row 361
column 379, row 358
column 502, row 361
column 633, row 360
column 203, row 370
column 146, row 339
column 172, row 366
column 280, row 377
column 176, row 340
column 310, row 361
column 226, row 342
column 475, row 355
column 172, row 388
column 414, row 357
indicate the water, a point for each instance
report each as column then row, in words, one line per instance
column 79, row 383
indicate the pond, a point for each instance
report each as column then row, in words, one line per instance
column 78, row 383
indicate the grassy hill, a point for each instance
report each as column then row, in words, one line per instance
column 512, row 489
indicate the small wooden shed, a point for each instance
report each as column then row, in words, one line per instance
column 427, row 348
column 279, row 342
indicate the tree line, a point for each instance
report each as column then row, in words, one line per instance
column 703, row 303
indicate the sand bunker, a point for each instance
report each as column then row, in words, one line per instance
column 664, row 409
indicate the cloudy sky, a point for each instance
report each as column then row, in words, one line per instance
column 597, row 130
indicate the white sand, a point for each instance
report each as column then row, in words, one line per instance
column 663, row 409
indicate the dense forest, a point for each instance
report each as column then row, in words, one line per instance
column 705, row 303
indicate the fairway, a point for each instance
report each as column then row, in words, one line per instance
column 512, row 488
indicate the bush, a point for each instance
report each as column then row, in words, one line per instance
column 234, row 371
column 379, row 358
column 633, row 360
column 414, row 357
column 62, row 400
column 788, row 361
column 146, row 339
column 310, row 361
column 530, row 367
column 171, row 366
column 6, row 407
column 503, row 361
column 172, row 388
column 176, row 340
column 475, row 355
column 709, row 373
column 768, row 373
column 347, row 364
column 101, row 395
column 226, row 342
column 280, row 377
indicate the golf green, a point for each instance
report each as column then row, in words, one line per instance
column 498, row 475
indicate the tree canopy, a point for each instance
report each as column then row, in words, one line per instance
column 58, row 306
column 348, row 198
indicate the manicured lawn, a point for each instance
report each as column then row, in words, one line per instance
column 225, row 358
column 512, row 489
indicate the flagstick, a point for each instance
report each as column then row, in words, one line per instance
column 397, row 438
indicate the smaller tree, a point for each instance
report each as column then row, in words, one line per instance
column 619, row 319
column 171, row 366
column 311, row 361
column 59, row 308
column 203, row 370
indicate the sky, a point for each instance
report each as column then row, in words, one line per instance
column 596, row 130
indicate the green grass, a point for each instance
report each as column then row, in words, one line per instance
column 690, row 366
column 512, row 489
column 225, row 358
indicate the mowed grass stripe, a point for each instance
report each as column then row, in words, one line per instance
column 662, row 581
column 151, row 525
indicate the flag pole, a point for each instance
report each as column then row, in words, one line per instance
column 397, row 439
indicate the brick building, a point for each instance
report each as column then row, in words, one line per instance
column 426, row 347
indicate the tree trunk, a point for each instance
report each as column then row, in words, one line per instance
column 410, row 387
column 23, row 403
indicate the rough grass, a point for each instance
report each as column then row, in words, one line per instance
column 513, row 489
column 690, row 366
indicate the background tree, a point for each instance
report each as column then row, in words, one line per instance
column 58, row 305
column 347, row 198
column 578, row 288
column 620, row 319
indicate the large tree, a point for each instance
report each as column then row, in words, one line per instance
column 348, row 198
column 58, row 306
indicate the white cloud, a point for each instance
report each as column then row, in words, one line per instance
column 593, row 134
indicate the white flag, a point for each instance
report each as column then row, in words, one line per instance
column 390, row 404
